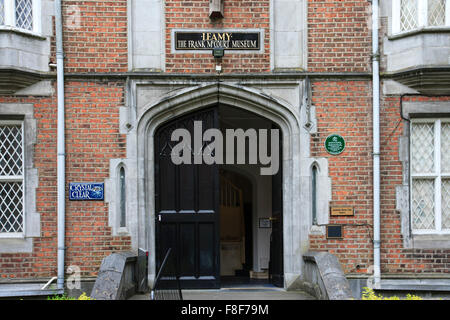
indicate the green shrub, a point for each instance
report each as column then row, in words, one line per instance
column 369, row 294
column 65, row 297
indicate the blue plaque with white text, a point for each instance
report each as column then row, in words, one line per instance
column 86, row 191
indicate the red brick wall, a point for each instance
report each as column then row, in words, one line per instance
column 42, row 261
column 339, row 39
column 391, row 128
column 194, row 14
column 394, row 258
column 98, row 43
column 92, row 138
column 344, row 107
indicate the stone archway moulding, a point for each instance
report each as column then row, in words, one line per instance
column 187, row 100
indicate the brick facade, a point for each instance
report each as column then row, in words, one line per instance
column 237, row 15
column 92, row 138
column 42, row 262
column 395, row 259
column 95, row 36
column 339, row 38
column 339, row 42
column 344, row 107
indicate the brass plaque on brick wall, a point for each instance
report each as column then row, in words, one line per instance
column 341, row 211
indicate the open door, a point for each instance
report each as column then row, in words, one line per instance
column 276, row 272
column 187, row 207
column 232, row 228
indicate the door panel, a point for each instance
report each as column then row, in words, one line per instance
column 187, row 207
column 207, row 197
column 206, row 243
column 187, row 249
column 168, row 239
column 276, row 269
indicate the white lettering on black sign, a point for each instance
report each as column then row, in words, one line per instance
column 210, row 40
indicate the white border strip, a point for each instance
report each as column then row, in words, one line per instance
column 260, row 51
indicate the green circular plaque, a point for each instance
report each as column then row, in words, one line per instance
column 334, row 144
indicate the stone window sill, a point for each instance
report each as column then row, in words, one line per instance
column 22, row 32
column 12, row 235
column 430, row 241
column 405, row 34
column 16, row 245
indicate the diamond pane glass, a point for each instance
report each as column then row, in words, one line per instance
column 10, row 150
column 11, row 207
column 445, row 147
column 422, row 147
column 436, row 12
column 2, row 12
column 408, row 15
column 445, row 204
column 24, row 14
column 423, row 204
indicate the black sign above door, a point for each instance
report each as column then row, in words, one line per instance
column 208, row 40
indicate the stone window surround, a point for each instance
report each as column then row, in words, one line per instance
column 113, row 197
column 32, row 223
column 323, row 194
column 410, row 239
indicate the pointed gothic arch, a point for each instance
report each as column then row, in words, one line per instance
column 183, row 101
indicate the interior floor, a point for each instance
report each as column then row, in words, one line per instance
column 243, row 281
column 245, row 199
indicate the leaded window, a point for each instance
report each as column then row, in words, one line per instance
column 436, row 12
column 314, row 193
column 2, row 12
column 11, row 177
column 21, row 14
column 24, row 14
column 122, row 196
column 409, row 15
column 430, row 176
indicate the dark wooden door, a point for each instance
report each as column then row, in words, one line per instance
column 276, row 271
column 187, row 207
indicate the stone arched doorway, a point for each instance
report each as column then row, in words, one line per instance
column 191, row 99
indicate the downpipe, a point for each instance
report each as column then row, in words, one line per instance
column 60, row 145
column 376, row 144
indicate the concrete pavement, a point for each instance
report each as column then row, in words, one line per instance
column 239, row 293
